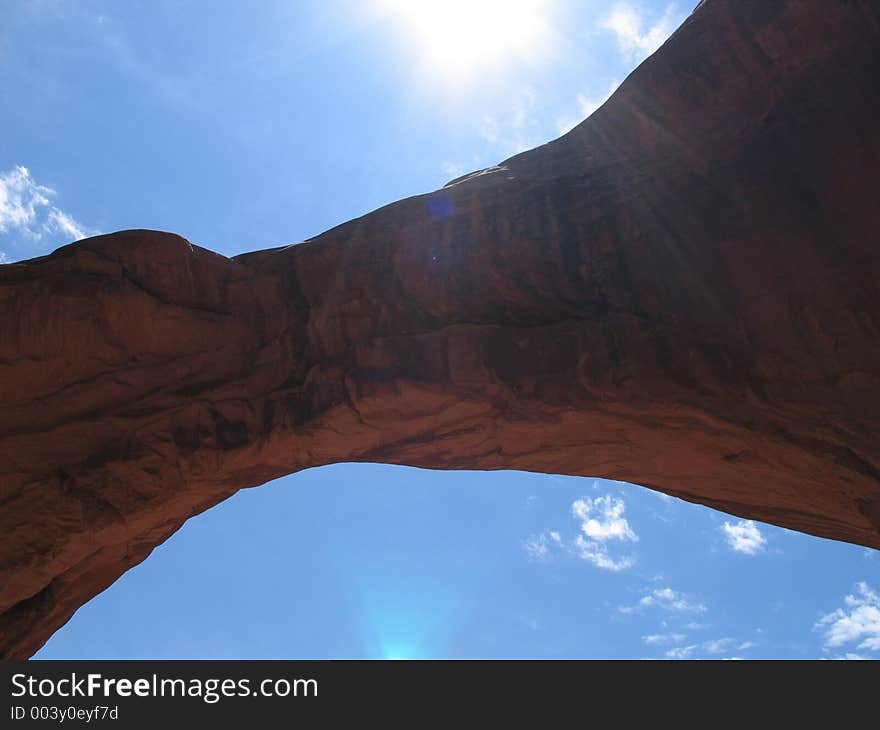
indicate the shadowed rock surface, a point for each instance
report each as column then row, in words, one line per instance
column 683, row 292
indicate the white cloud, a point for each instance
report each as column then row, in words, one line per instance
column 26, row 211
column 586, row 106
column 747, row 645
column 20, row 199
column 634, row 40
column 744, row 537
column 517, row 130
column 713, row 647
column 598, row 555
column 519, row 127
column 602, row 518
column 489, row 129
column 682, row 652
column 4, row 259
column 65, row 224
column 453, row 170
column 668, row 600
column 601, row 521
column 858, row 622
column 717, row 646
column 694, row 626
column 538, row 546
column 655, row 639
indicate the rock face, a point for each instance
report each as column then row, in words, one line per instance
column 683, row 292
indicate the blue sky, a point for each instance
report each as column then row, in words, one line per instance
column 245, row 126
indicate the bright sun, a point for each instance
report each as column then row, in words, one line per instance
column 463, row 35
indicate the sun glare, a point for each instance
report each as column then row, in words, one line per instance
column 465, row 35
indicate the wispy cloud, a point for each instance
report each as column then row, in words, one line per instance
column 63, row 223
column 539, row 547
column 858, row 621
column 744, row 537
column 518, row 129
column 694, row 626
column 677, row 644
column 521, row 126
column 598, row 555
column 635, row 40
column 712, row 648
column 655, row 639
column 601, row 521
column 586, row 105
column 20, row 199
column 453, row 170
column 28, row 215
column 666, row 599
column 682, row 652
column 166, row 80
column 717, row 646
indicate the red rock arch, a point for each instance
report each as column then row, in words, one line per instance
column 682, row 292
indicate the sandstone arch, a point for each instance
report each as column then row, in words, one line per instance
column 682, row 293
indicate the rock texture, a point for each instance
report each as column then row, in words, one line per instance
column 683, row 292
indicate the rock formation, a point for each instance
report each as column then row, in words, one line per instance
column 683, row 292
